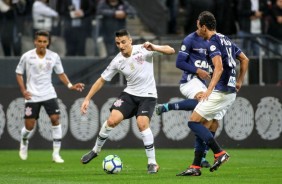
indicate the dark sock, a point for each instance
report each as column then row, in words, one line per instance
column 198, row 158
column 207, row 147
column 204, row 134
column 201, row 131
column 199, row 151
column 214, row 146
column 187, row 105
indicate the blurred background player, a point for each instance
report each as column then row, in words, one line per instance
column 39, row 91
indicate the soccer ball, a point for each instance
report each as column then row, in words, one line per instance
column 112, row 164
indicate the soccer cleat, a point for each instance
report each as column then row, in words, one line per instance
column 190, row 172
column 88, row 157
column 218, row 161
column 23, row 149
column 205, row 163
column 160, row 108
column 153, row 168
column 58, row 159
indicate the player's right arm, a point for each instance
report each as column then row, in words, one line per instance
column 94, row 89
column 26, row 94
column 244, row 63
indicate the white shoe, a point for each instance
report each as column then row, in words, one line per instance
column 23, row 150
column 58, row 159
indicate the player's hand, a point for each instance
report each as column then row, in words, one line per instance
column 27, row 95
column 238, row 86
column 204, row 75
column 84, row 106
column 148, row 46
column 206, row 95
column 78, row 87
column 120, row 14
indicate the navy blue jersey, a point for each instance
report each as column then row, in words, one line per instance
column 221, row 45
column 192, row 55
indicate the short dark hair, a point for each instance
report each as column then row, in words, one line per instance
column 42, row 33
column 207, row 18
column 122, row 32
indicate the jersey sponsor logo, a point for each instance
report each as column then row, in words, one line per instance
column 183, row 48
column 118, row 102
column 201, row 64
column 200, row 50
column 212, row 47
column 28, row 111
column 232, row 81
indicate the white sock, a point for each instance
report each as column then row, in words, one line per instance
column 25, row 135
column 57, row 139
column 102, row 137
column 148, row 140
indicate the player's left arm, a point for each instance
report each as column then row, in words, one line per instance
column 244, row 63
column 65, row 80
column 165, row 49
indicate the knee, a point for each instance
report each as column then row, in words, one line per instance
column 55, row 120
column 111, row 123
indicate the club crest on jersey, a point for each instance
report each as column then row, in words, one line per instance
column 48, row 66
column 118, row 103
column 28, row 111
column 212, row 47
column 183, row 48
column 139, row 59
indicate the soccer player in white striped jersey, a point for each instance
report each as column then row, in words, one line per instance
column 39, row 64
column 139, row 97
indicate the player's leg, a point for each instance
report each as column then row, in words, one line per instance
column 31, row 114
column 144, row 114
column 208, row 110
column 52, row 109
column 192, row 90
column 121, row 109
column 212, row 126
column 195, row 168
column 186, row 105
column 114, row 119
column 25, row 135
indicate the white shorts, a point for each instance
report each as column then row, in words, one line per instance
column 216, row 105
column 191, row 88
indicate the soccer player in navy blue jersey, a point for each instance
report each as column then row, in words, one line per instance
column 221, row 91
column 192, row 60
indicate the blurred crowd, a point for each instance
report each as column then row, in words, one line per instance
column 73, row 20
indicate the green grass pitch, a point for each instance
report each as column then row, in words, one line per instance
column 250, row 166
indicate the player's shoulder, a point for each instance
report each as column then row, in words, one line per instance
column 51, row 53
column 29, row 53
column 192, row 37
column 138, row 47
